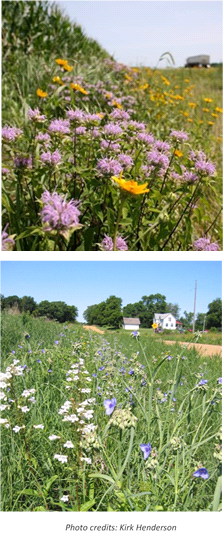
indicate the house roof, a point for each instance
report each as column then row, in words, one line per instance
column 128, row 320
column 162, row 315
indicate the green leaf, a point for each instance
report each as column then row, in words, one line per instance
column 39, row 509
column 103, row 476
column 50, row 482
column 86, row 506
column 217, row 495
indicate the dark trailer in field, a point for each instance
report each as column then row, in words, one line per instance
column 202, row 60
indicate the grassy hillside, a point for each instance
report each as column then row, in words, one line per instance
column 139, row 150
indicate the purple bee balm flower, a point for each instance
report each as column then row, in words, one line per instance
column 117, row 114
column 107, row 244
column 161, row 145
column 179, row 135
column 42, row 137
column 59, row 126
column 5, row 170
column 51, row 159
column 109, row 405
column 204, row 244
column 112, row 129
column 34, row 114
column 201, row 472
column 156, row 158
column 146, row 449
column 145, row 137
column 109, row 166
column 7, row 241
column 205, row 166
column 76, row 115
column 81, row 130
column 10, row 133
column 125, row 160
column 23, row 161
column 58, row 214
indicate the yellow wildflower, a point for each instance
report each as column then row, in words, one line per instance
column 205, row 110
column 211, row 123
column 116, row 104
column 186, row 113
column 61, row 62
column 208, row 100
column 218, row 109
column 79, row 88
column 192, row 105
column 214, row 115
column 58, row 80
column 41, row 93
column 67, row 67
column 178, row 153
column 128, row 78
column 130, row 185
column 187, row 80
column 189, row 120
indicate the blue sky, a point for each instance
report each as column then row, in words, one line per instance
column 138, row 32
column 83, row 283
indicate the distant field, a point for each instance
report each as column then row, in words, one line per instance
column 106, row 422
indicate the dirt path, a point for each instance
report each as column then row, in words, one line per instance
column 94, row 328
column 202, row 348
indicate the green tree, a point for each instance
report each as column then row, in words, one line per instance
column 214, row 314
column 199, row 323
column 27, row 303
column 187, row 320
column 106, row 313
column 174, row 309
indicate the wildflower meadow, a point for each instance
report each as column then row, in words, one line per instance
column 113, row 422
column 101, row 156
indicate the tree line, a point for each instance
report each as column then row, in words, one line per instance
column 110, row 312
column 59, row 311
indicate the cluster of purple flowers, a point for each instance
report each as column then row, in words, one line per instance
column 58, row 214
column 10, row 133
column 204, row 244
column 7, row 242
column 51, row 159
column 107, row 244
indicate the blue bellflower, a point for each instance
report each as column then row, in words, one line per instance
column 146, row 449
column 109, row 405
column 202, row 472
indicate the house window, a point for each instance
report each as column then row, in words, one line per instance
column 166, row 324
column 171, row 324
column 169, row 318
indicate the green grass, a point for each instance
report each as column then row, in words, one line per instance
column 183, row 429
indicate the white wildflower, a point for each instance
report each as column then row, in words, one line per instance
column 39, row 426
column 61, row 458
column 53, row 437
column 64, row 498
column 68, row 444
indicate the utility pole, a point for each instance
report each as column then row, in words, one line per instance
column 195, row 293
column 204, row 323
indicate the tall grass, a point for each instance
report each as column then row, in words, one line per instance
column 159, row 400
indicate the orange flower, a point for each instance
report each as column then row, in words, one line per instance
column 41, row 93
column 67, row 67
column 130, row 185
column 208, row 100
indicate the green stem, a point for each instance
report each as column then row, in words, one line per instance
column 118, row 221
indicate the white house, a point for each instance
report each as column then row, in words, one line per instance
column 131, row 324
column 166, row 321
